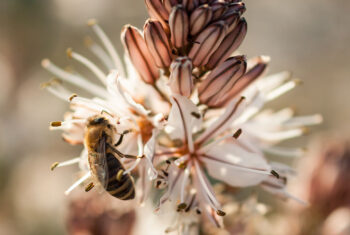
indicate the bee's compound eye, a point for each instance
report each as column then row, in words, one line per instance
column 98, row 120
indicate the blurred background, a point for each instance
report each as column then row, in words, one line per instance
column 310, row 38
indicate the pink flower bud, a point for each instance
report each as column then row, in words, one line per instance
column 157, row 43
column 258, row 68
column 207, row 42
column 179, row 26
column 190, row 5
column 200, row 18
column 230, row 43
column 221, row 80
column 139, row 54
column 181, row 80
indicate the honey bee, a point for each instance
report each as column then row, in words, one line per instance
column 103, row 158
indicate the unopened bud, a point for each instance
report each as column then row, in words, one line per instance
column 231, row 19
column 260, row 64
column 200, row 18
column 139, row 54
column 157, row 10
column 157, row 43
column 207, row 42
column 237, row 7
column 181, row 80
column 230, row 43
column 218, row 8
column 190, row 5
column 221, row 80
column 168, row 4
column 179, row 26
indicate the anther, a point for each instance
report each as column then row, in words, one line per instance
column 196, row 115
column 69, row 53
column 89, row 187
column 72, row 97
column 198, row 211
column 182, row 165
column 237, row 133
column 274, row 173
column 119, row 174
column 54, row 165
column 168, row 162
column 165, row 173
column 182, row 206
column 220, row 213
column 91, row 22
column 55, row 124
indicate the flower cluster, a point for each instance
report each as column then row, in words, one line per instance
column 186, row 106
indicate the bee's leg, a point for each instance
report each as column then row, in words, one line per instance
column 121, row 138
column 89, row 187
column 120, row 154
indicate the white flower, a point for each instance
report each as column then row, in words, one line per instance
column 116, row 100
column 230, row 146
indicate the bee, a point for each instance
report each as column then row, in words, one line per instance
column 103, row 158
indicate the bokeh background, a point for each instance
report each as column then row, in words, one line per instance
column 310, row 38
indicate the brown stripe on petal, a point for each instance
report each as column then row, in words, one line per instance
column 221, row 79
column 157, row 9
column 200, row 18
column 179, row 26
column 255, row 72
column 139, row 54
column 218, row 8
column 168, row 4
column 231, row 18
column 237, row 7
column 190, row 5
column 157, row 43
column 230, row 43
column 207, row 42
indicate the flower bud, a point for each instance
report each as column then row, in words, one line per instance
column 168, row 4
column 221, row 80
column 157, row 10
column 218, row 8
column 181, row 80
column 139, row 54
column 230, row 43
column 157, row 43
column 207, row 42
column 200, row 18
column 231, row 18
column 190, row 5
column 179, row 26
column 258, row 68
column 237, row 7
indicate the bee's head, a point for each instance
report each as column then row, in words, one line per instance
column 97, row 121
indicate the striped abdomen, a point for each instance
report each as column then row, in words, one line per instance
column 124, row 188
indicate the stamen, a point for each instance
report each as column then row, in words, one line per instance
column 274, row 173
column 72, row 97
column 282, row 89
column 99, row 52
column 184, row 182
column 285, row 152
column 237, row 133
column 87, row 63
column 304, row 121
column 89, row 187
column 55, row 87
column 211, row 198
column 73, row 79
column 181, row 206
column 108, row 45
column 77, row 183
column 55, row 124
column 220, row 213
column 65, row 163
column 196, row 115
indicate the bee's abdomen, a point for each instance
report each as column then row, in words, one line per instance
column 123, row 188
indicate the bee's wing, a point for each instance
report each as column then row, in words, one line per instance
column 101, row 163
